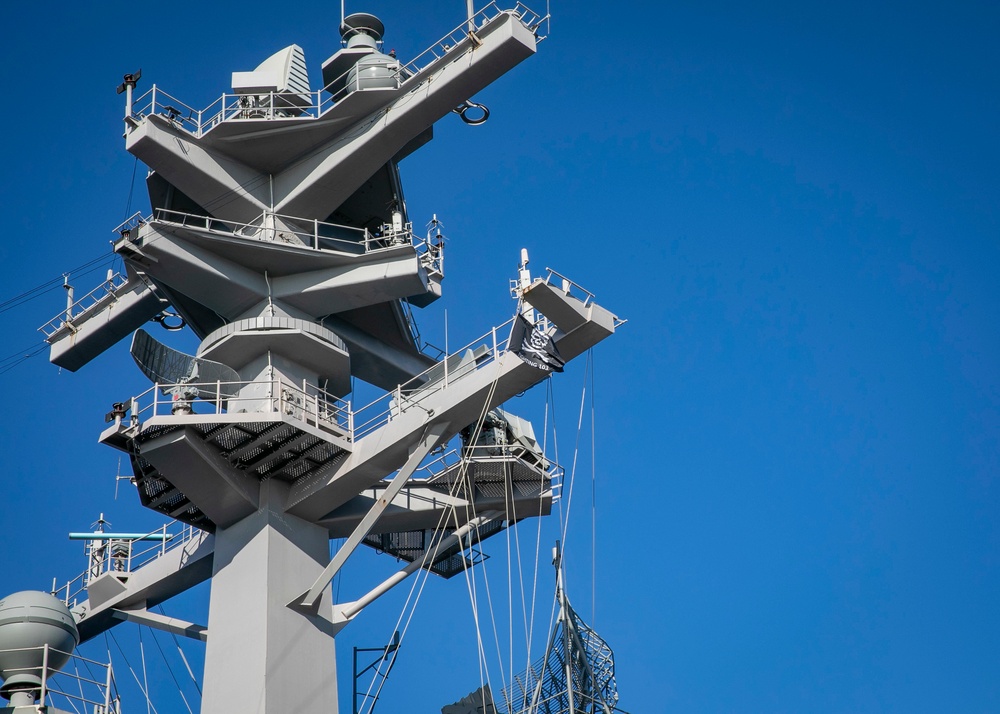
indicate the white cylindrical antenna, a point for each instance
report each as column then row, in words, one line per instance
column 128, row 84
column 524, row 275
column 523, row 282
column 471, row 13
column 69, row 297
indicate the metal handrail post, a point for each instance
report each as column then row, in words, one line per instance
column 45, row 673
column 107, row 690
column 218, row 396
column 156, row 399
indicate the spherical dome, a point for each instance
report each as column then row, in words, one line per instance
column 29, row 620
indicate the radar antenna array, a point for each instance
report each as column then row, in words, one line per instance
column 176, row 372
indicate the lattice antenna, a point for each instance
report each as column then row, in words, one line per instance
column 576, row 675
column 119, row 477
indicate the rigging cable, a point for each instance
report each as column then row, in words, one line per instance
column 49, row 285
column 79, row 684
column 549, row 400
column 471, row 581
column 529, row 621
column 145, row 693
column 170, row 670
column 424, row 571
column 177, row 643
column 9, row 363
column 131, row 189
column 576, row 453
column 21, row 356
column 145, row 679
column 593, row 493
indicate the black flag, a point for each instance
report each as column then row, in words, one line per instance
column 535, row 347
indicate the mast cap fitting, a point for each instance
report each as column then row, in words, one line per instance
column 362, row 23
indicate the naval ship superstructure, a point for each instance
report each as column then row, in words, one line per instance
column 280, row 237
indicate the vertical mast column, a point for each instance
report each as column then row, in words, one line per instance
column 263, row 657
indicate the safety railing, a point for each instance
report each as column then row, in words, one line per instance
column 491, row 11
column 307, row 403
column 128, row 226
column 268, row 106
column 429, row 471
column 313, row 405
column 95, row 689
column 99, row 295
column 430, row 250
column 278, row 106
column 477, row 354
column 569, row 287
column 123, row 554
column 156, row 101
column 577, row 291
column 307, row 232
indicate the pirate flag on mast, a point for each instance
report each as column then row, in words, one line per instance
column 534, row 347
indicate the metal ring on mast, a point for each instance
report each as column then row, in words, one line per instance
column 461, row 111
column 164, row 316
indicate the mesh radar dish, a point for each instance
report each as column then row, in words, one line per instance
column 171, row 369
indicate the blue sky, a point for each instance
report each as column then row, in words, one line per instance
column 794, row 205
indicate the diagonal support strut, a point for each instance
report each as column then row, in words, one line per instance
column 309, row 601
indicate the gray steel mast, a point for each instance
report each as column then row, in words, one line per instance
column 279, row 234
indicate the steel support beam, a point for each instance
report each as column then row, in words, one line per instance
column 142, row 616
column 344, row 613
column 310, row 600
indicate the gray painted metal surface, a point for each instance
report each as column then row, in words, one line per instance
column 293, row 277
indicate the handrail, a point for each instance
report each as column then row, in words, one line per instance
column 120, row 556
column 100, row 694
column 568, row 286
column 455, row 457
column 307, row 403
column 484, row 350
column 95, row 297
column 479, row 20
column 316, row 406
column 262, row 228
column 125, row 227
column 279, row 106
